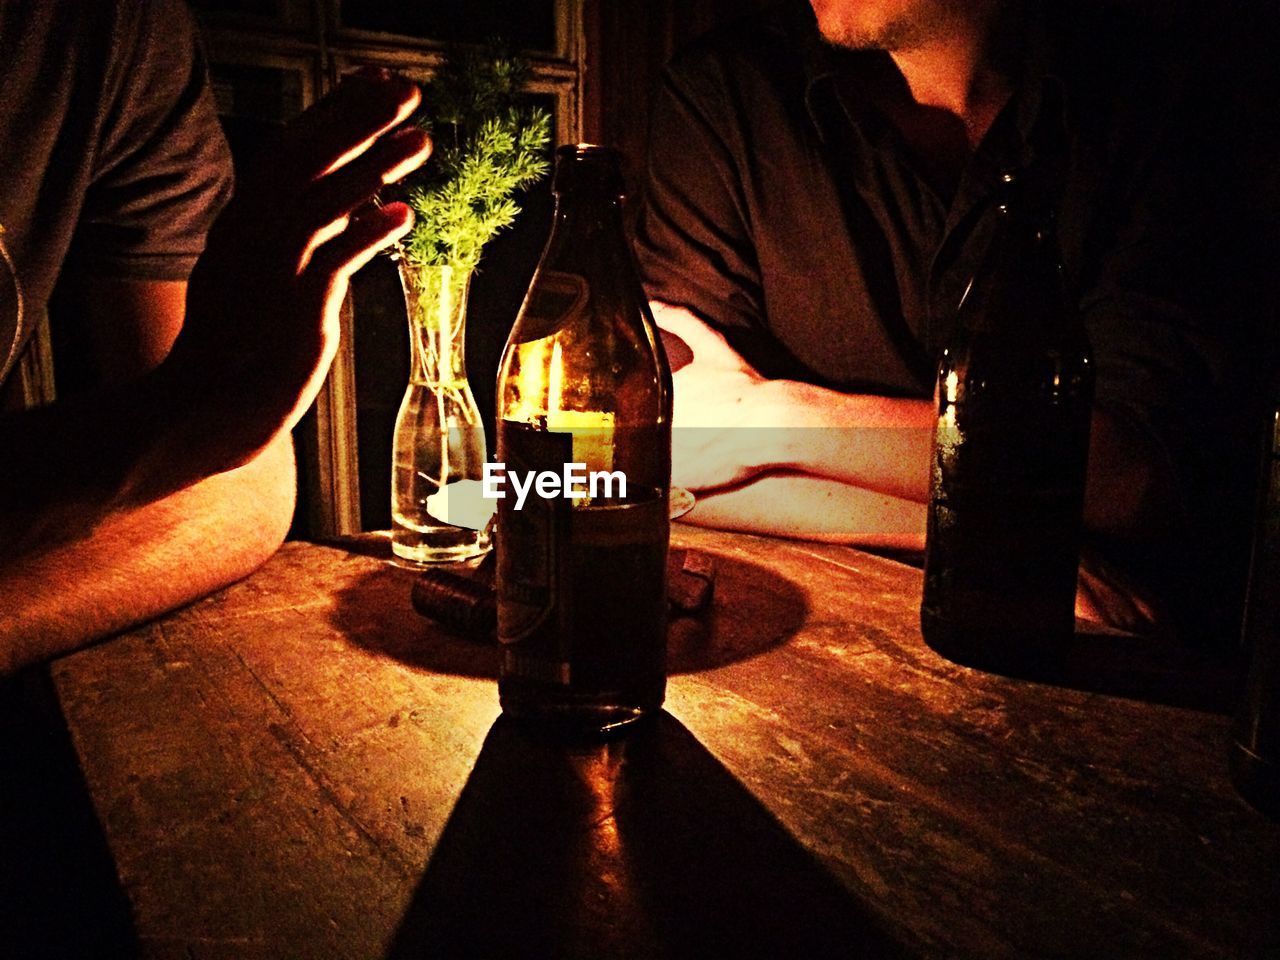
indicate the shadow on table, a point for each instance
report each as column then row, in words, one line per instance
column 59, row 893
column 754, row 610
column 642, row 847
column 1147, row 669
column 1153, row 671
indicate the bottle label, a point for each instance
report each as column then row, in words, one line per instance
column 581, row 584
column 532, row 539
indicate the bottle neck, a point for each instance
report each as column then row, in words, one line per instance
column 587, row 210
column 587, row 227
column 1020, row 282
column 588, row 187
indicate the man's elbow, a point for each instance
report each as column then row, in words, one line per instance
column 264, row 512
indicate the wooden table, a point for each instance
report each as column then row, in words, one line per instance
column 301, row 766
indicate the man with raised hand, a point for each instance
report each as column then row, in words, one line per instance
column 172, row 474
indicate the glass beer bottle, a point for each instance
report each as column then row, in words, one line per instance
column 1014, row 397
column 581, row 579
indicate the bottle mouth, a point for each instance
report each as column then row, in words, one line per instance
column 587, row 151
column 588, row 166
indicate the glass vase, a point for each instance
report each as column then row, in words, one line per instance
column 438, row 451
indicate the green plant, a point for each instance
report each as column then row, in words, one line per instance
column 486, row 148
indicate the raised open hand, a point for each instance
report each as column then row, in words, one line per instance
column 262, row 309
column 718, row 422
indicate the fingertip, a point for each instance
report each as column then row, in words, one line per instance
column 408, row 98
column 405, row 214
column 414, row 96
column 360, row 245
column 391, row 213
column 396, row 87
column 389, row 220
column 416, row 147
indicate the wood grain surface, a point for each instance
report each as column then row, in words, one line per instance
column 303, row 767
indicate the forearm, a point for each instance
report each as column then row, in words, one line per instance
column 259, row 325
column 145, row 561
column 732, row 424
column 883, row 446
column 67, row 467
column 734, row 427
column 879, row 444
column 812, row 508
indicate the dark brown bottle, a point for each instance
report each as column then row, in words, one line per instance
column 1014, row 395
column 1255, row 745
column 581, row 582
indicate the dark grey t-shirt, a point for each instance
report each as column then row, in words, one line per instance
column 112, row 161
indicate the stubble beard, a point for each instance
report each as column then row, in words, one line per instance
column 929, row 20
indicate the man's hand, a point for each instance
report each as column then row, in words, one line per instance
column 733, row 425
column 1105, row 595
column 259, row 327
column 166, row 482
column 262, row 311
column 715, row 406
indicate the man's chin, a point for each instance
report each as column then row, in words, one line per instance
column 857, row 36
column 839, row 35
column 908, row 29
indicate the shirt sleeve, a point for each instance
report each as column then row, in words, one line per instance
column 162, row 170
column 1169, row 317
column 693, row 237
column 1174, row 319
